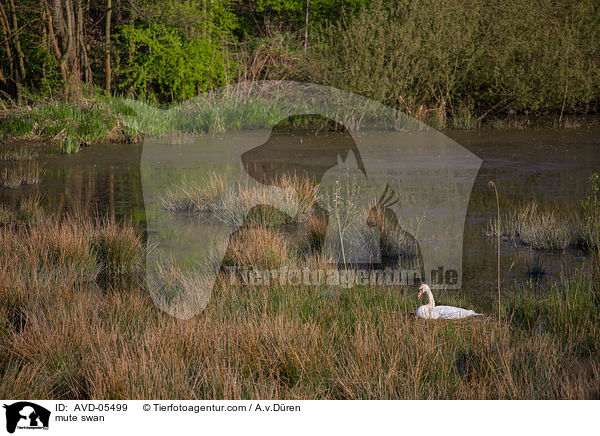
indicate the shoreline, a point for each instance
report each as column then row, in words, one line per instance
column 100, row 120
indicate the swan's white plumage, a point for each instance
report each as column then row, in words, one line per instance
column 431, row 311
column 444, row 312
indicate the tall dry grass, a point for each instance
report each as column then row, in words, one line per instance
column 63, row 335
column 267, row 342
column 228, row 201
column 541, row 228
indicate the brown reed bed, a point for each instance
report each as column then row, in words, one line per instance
column 541, row 228
column 62, row 336
column 283, row 343
column 228, row 201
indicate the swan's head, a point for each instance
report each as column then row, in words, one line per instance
column 423, row 288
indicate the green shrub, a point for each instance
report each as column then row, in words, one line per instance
column 423, row 55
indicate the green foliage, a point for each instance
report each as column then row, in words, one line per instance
column 444, row 63
column 422, row 55
column 176, row 50
column 171, row 67
column 69, row 145
column 294, row 11
column 591, row 203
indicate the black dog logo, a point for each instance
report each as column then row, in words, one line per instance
column 26, row 415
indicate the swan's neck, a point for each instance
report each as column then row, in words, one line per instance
column 431, row 303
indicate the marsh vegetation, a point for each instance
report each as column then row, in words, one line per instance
column 481, row 63
column 77, row 320
column 78, row 323
column 71, row 330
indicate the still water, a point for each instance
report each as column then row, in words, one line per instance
column 549, row 165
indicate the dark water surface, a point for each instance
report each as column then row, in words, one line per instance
column 549, row 165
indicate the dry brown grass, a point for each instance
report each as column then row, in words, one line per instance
column 63, row 336
column 227, row 201
column 258, row 247
column 541, row 228
column 120, row 346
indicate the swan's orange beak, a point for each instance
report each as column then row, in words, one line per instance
column 420, row 293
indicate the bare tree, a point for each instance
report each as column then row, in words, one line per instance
column 107, row 68
column 5, row 27
column 306, row 28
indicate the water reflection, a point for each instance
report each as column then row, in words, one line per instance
column 551, row 166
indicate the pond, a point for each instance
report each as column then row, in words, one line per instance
column 548, row 165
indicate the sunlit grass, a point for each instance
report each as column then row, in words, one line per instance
column 229, row 201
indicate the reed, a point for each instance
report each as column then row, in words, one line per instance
column 6, row 215
column 30, row 211
column 590, row 235
column 299, row 343
column 537, row 228
column 65, row 335
column 228, row 201
column 69, row 145
column 118, row 250
column 491, row 184
column 535, row 265
column 258, row 248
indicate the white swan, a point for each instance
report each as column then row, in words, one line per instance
column 431, row 311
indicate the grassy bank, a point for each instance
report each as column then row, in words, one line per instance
column 450, row 65
column 67, row 126
column 72, row 327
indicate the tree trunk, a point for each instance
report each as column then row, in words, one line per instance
column 107, row 69
column 68, row 23
column 17, row 40
column 84, row 60
column 52, row 43
column 68, row 31
column 306, row 28
column 10, row 80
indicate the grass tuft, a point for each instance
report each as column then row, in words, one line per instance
column 532, row 226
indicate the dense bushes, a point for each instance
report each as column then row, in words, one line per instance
column 443, row 62
column 485, row 54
